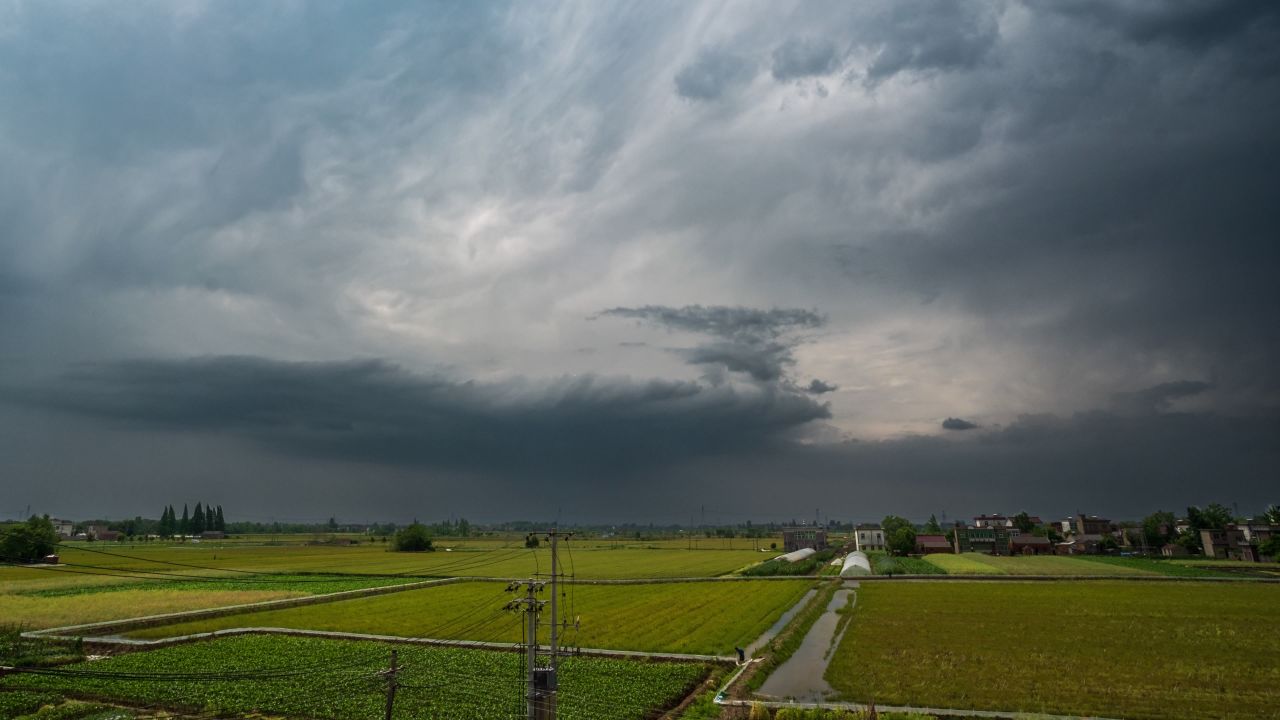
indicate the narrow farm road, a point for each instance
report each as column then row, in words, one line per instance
column 800, row 677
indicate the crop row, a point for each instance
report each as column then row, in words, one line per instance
column 304, row 677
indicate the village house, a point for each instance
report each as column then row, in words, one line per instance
column 64, row 528
column 990, row 540
column 928, row 544
column 797, row 538
column 868, row 537
column 1030, row 545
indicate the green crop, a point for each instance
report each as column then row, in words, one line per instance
column 1181, row 650
column 304, row 677
column 698, row 617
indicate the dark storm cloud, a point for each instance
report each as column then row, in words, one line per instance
column 1094, row 462
column 1197, row 23
column 804, row 57
column 378, row 412
column 713, row 73
column 756, row 342
column 952, row 423
column 818, row 387
column 1158, row 398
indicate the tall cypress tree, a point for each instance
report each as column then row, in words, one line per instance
column 197, row 520
column 221, row 521
column 184, row 527
column 167, row 522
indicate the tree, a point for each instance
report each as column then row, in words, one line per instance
column 1159, row 528
column 1108, row 542
column 1213, row 517
column 892, row 523
column 902, row 541
column 1271, row 548
column 197, row 520
column 1272, row 515
column 414, row 538
column 531, row 540
column 28, row 542
column 184, row 527
column 333, row 524
column 1023, row 522
column 220, row 521
column 932, row 527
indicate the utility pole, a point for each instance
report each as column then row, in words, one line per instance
column 538, row 681
column 390, row 674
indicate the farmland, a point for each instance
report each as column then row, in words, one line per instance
column 704, row 618
column 336, row 679
column 1133, row 650
column 1035, row 565
column 470, row 558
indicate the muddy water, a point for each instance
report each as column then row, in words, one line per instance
column 801, row 676
column 776, row 628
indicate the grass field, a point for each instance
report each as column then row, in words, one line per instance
column 297, row 677
column 704, row 618
column 961, row 564
column 979, row 564
column 1131, row 650
column 484, row 559
column 46, row 606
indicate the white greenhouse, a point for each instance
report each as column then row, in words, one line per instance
column 855, row 563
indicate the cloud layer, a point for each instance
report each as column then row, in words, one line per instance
column 799, row 233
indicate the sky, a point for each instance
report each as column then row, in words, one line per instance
column 637, row 262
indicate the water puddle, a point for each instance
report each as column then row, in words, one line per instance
column 800, row 677
column 773, row 631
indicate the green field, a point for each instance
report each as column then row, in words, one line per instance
column 703, row 618
column 474, row 558
column 297, row 677
column 1116, row 649
column 965, row 564
column 979, row 564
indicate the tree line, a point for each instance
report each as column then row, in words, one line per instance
column 192, row 522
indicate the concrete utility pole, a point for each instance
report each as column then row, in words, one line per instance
column 538, row 706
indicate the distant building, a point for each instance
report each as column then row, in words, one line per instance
column 101, row 533
column 804, row 537
column 928, row 544
column 1090, row 544
column 212, row 535
column 64, row 528
column 1030, row 545
column 986, row 521
column 1173, row 550
column 1092, row 525
column 1233, row 542
column 990, row 540
column 868, row 537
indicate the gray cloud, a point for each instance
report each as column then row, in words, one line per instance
column 756, row 342
column 818, row 387
column 713, row 73
column 1158, row 398
column 804, row 57
column 952, row 423
column 374, row 411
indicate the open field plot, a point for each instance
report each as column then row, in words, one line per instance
column 1116, row 649
column 961, row 564
column 45, row 605
column 978, row 564
column 487, row 560
column 282, row 676
column 703, row 618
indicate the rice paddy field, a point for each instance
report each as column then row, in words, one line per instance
column 469, row 558
column 303, row 677
column 977, row 563
column 1114, row 649
column 702, row 618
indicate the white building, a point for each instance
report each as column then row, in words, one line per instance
column 868, row 537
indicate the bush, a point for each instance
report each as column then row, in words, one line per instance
column 414, row 538
column 28, row 542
